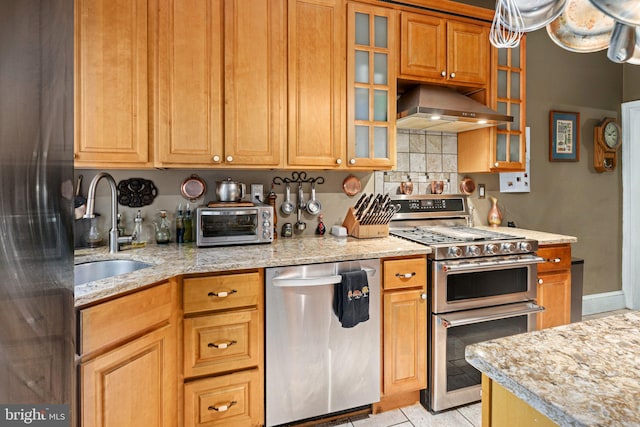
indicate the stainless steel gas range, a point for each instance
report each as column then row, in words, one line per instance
column 482, row 285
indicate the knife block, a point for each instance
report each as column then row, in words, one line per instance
column 363, row 231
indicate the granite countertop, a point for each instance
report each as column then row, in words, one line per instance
column 542, row 237
column 581, row 374
column 172, row 260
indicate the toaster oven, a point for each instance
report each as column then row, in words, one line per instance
column 234, row 224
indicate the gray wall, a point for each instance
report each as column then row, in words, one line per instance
column 572, row 198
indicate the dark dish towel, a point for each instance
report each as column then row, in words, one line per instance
column 351, row 298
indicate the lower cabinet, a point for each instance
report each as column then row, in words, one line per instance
column 128, row 363
column 224, row 349
column 501, row 408
column 554, row 285
column 404, row 331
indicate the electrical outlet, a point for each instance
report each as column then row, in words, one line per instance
column 257, row 192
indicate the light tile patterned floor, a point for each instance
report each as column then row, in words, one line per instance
column 417, row 416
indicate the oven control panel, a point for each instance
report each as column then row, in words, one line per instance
column 483, row 249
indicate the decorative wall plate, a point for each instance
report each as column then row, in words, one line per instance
column 193, row 188
column 136, row 192
column 351, row 185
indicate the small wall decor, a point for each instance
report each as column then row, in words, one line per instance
column 564, row 136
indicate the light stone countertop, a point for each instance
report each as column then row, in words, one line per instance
column 172, row 260
column 542, row 237
column 581, row 374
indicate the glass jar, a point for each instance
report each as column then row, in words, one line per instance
column 163, row 232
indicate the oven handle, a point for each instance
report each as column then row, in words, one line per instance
column 313, row 281
column 493, row 262
column 531, row 308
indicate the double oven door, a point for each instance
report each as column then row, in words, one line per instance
column 474, row 301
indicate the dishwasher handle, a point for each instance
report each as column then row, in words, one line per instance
column 312, row 281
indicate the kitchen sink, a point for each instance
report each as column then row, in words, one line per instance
column 96, row 270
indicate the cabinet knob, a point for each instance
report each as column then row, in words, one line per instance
column 229, row 158
column 338, row 161
column 216, row 158
column 496, row 164
column 352, row 161
column 423, row 296
column 443, row 73
column 452, row 75
column 540, row 281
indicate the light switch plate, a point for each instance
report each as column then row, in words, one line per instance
column 257, row 192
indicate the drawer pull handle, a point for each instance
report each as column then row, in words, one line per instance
column 406, row 275
column 222, row 407
column 554, row 260
column 222, row 345
column 222, row 294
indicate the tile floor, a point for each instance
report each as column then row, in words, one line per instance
column 418, row 416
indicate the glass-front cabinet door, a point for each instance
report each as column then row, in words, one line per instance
column 371, row 86
column 510, row 138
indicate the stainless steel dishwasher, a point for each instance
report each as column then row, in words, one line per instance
column 314, row 366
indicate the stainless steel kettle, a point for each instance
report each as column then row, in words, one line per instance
column 230, row 191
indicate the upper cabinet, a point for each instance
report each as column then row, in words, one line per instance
column 502, row 148
column 316, row 80
column 443, row 51
column 221, row 83
column 112, row 72
column 371, row 86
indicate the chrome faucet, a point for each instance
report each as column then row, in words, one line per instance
column 114, row 240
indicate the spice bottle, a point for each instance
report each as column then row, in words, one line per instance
column 188, row 226
column 163, row 232
column 180, row 225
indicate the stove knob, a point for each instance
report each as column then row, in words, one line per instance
column 525, row 247
column 491, row 249
column 508, row 247
column 473, row 250
column 455, row 252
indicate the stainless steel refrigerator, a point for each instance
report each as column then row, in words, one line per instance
column 37, row 325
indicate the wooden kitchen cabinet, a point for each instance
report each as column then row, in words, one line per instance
column 404, row 331
column 371, row 86
column 224, row 349
column 111, row 86
column 129, row 360
column 221, row 83
column 316, row 83
column 440, row 50
column 501, row 148
column 554, row 285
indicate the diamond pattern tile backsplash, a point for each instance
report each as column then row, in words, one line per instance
column 423, row 157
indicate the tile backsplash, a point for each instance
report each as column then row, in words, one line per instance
column 423, row 157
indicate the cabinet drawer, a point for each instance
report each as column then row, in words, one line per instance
column 221, row 342
column 222, row 292
column 558, row 257
column 405, row 273
column 227, row 400
column 120, row 319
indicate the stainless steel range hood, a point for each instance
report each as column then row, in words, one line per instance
column 444, row 109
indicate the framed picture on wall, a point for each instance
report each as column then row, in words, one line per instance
column 564, row 136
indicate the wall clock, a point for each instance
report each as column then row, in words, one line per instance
column 607, row 138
